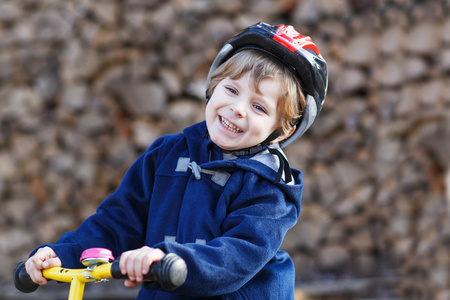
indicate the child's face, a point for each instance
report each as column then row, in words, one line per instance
column 238, row 117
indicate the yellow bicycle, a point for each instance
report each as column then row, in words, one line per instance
column 170, row 272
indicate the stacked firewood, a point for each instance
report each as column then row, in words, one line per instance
column 86, row 86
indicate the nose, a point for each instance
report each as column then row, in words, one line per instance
column 238, row 109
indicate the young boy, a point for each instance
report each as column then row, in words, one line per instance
column 221, row 194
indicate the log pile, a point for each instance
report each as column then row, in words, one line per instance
column 86, row 86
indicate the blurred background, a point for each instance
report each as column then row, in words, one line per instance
column 87, row 86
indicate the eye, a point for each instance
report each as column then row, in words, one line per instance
column 232, row 90
column 260, row 108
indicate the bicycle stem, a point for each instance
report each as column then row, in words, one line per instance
column 78, row 277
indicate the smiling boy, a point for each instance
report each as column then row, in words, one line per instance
column 221, row 194
column 243, row 110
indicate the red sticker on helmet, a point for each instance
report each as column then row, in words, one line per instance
column 291, row 39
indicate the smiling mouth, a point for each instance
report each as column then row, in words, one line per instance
column 229, row 126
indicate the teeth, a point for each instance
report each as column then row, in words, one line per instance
column 229, row 126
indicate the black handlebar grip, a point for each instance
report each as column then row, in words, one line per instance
column 22, row 280
column 170, row 272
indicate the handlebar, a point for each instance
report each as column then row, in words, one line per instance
column 170, row 272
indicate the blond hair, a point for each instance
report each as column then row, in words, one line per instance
column 290, row 104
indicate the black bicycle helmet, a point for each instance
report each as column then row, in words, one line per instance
column 296, row 51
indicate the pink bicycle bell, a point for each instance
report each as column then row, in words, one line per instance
column 96, row 256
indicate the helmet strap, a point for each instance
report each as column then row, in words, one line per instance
column 284, row 164
column 272, row 136
column 258, row 148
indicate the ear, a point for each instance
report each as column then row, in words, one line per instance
column 284, row 136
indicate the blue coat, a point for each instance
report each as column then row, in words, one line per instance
column 225, row 217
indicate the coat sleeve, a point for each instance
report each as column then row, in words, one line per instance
column 120, row 221
column 256, row 223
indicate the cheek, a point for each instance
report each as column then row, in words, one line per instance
column 210, row 113
column 207, row 115
column 214, row 104
column 268, row 126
